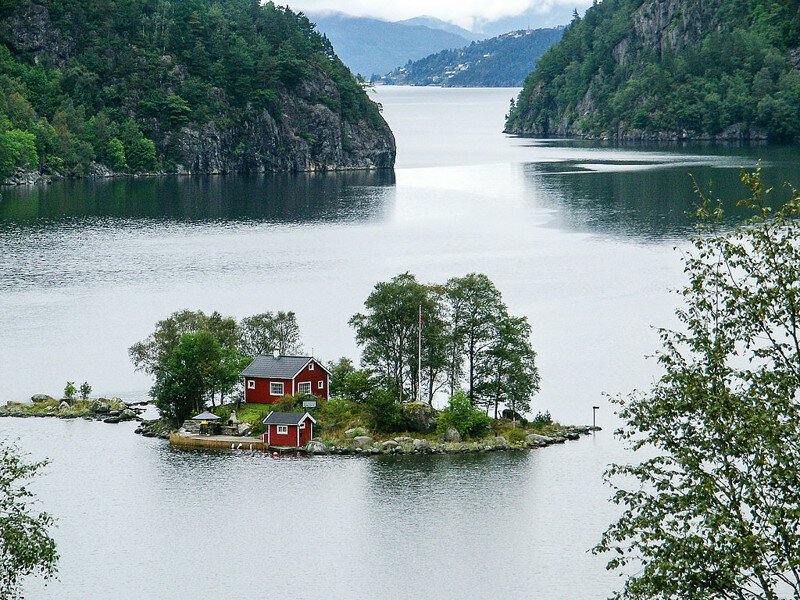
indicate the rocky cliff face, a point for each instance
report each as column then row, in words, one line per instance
column 304, row 136
column 299, row 132
column 656, row 32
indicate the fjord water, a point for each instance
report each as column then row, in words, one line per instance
column 579, row 237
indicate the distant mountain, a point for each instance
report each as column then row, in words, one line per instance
column 434, row 23
column 373, row 47
column 531, row 18
column 502, row 61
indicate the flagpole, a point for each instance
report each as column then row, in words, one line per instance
column 419, row 356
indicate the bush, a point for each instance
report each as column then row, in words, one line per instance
column 86, row 389
column 335, row 413
column 460, row 415
column 384, row 413
column 542, row 419
column 70, row 390
column 516, row 435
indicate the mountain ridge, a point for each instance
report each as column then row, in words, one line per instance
column 671, row 70
column 501, row 61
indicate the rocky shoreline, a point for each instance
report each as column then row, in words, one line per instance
column 364, row 445
column 107, row 410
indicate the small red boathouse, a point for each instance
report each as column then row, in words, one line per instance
column 288, row 430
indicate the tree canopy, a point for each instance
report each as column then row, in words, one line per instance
column 26, row 547
column 709, row 67
column 116, row 81
column 712, row 510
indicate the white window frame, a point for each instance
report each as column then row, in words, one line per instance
column 311, row 366
column 302, row 425
column 320, row 385
column 251, row 384
column 300, row 387
column 272, row 388
column 282, row 430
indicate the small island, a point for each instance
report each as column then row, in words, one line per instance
column 245, row 384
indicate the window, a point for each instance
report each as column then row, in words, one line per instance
column 311, row 366
column 276, row 388
column 320, row 385
column 283, row 429
column 304, row 387
column 303, row 425
column 251, row 384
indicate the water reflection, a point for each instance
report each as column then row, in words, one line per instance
column 281, row 198
column 650, row 198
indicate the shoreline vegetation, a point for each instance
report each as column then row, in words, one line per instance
column 420, row 342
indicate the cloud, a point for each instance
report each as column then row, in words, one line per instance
column 465, row 13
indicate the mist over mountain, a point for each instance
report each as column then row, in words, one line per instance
column 374, row 47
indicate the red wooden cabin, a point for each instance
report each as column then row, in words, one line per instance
column 288, row 430
column 269, row 378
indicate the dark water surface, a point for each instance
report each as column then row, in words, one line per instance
column 579, row 237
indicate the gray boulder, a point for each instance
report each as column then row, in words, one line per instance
column 451, row 435
column 63, row 406
column 403, row 439
column 422, row 445
column 363, row 441
column 127, row 415
column 535, row 438
column 419, row 417
column 499, row 441
column 355, row 432
column 316, row 447
column 100, row 407
column 389, row 445
column 39, row 398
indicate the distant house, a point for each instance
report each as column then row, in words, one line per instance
column 288, row 430
column 269, row 378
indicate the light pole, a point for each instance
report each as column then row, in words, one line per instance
column 594, row 418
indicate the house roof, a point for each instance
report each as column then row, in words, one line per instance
column 205, row 416
column 283, row 367
column 286, row 418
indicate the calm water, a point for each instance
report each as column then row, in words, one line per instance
column 579, row 237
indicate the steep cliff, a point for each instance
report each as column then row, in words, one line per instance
column 669, row 69
column 98, row 87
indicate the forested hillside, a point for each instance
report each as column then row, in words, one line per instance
column 670, row 69
column 502, row 61
column 94, row 86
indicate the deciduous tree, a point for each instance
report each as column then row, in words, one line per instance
column 712, row 509
column 26, row 547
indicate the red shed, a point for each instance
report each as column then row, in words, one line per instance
column 269, row 378
column 288, row 430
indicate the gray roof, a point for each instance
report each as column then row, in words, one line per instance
column 285, row 418
column 283, row 367
column 205, row 416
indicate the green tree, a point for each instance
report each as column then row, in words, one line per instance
column 151, row 354
column 350, row 383
column 85, row 390
column 712, row 509
column 460, row 414
column 476, row 309
column 266, row 332
column 388, row 331
column 26, row 547
column 191, row 376
column 116, row 155
column 141, row 155
column 509, row 376
column 70, row 390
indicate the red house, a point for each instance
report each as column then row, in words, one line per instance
column 269, row 378
column 288, row 430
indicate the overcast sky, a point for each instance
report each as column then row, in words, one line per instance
column 462, row 12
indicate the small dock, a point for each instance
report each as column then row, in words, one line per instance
column 218, row 442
